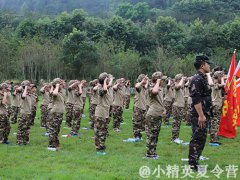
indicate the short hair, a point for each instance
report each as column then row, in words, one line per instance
column 197, row 64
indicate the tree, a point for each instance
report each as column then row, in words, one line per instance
column 79, row 54
column 169, row 34
column 39, row 60
column 27, row 28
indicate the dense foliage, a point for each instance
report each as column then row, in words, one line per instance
column 38, row 40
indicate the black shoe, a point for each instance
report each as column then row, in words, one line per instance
column 194, row 167
column 5, row 142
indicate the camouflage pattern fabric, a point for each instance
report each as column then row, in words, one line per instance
column 100, row 130
column 44, row 114
column 153, row 126
column 14, row 114
column 117, row 116
column 69, row 114
column 178, row 114
column 54, row 129
column 4, row 127
column 138, row 122
column 24, row 124
column 214, row 123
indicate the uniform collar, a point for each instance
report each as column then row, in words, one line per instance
column 202, row 74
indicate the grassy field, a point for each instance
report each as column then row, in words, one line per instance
column 78, row 160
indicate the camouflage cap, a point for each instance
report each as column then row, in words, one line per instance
column 103, row 75
column 140, row 77
column 33, row 85
column 16, row 86
column 3, row 86
column 218, row 74
column 157, row 75
column 56, row 81
column 71, row 82
column 25, row 83
column 164, row 78
column 8, row 82
column 178, row 77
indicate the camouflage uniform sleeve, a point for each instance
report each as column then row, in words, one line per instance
column 195, row 91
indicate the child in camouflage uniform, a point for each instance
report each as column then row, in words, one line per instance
column 4, row 122
column 34, row 98
column 45, row 101
column 93, row 102
column 168, row 100
column 139, row 109
column 56, row 114
column 154, row 114
column 69, row 104
column 77, row 108
column 102, row 112
column 217, row 100
column 128, row 94
column 178, row 108
column 16, row 101
column 24, row 120
column 118, row 103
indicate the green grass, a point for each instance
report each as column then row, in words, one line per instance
column 78, row 160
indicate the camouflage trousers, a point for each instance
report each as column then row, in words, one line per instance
column 178, row 114
column 110, row 115
column 69, row 114
column 214, row 123
column 48, row 119
column 4, row 127
column 44, row 114
column 14, row 114
column 138, row 122
column 92, row 108
column 117, row 116
column 9, row 111
column 153, row 125
column 168, row 107
column 100, row 130
column 77, row 115
column 109, row 118
column 127, row 101
column 187, row 115
column 34, row 110
column 54, row 129
column 24, row 124
column 198, row 140
column 84, row 101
